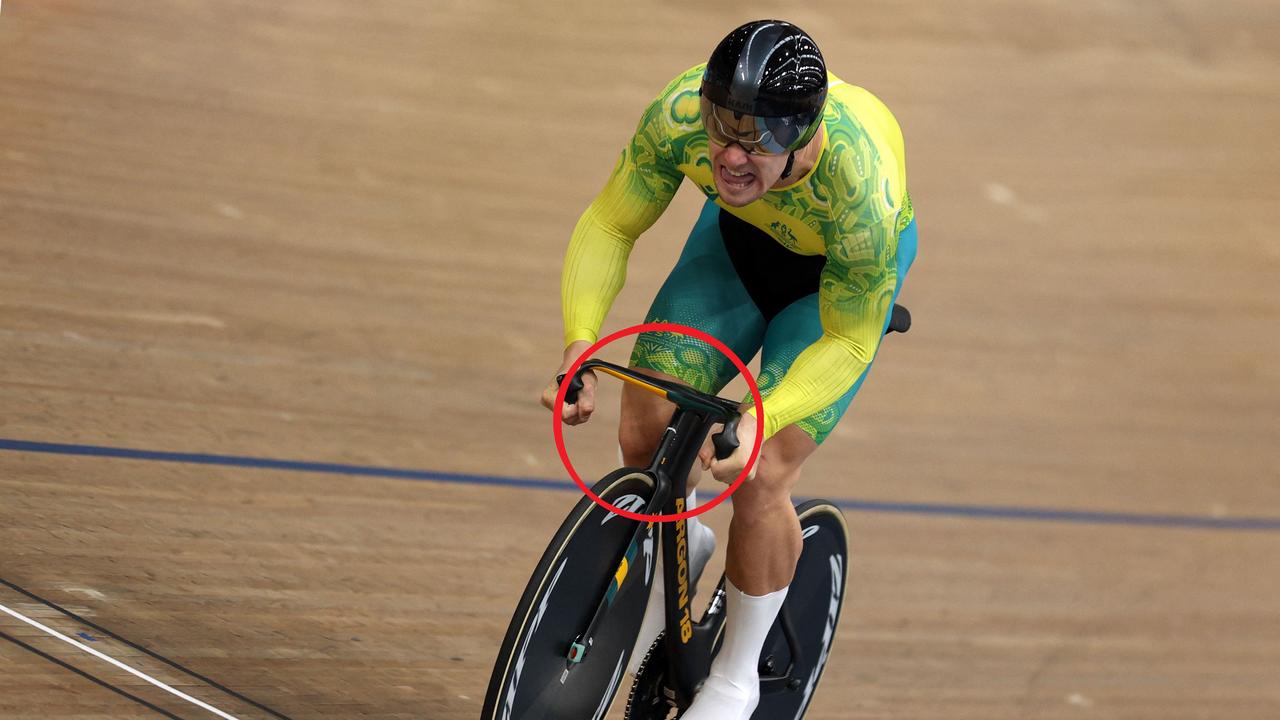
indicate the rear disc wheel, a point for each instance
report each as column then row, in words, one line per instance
column 813, row 604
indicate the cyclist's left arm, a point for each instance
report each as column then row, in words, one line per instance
column 854, row 299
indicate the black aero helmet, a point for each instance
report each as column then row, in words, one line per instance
column 764, row 88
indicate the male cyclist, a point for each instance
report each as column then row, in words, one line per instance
column 799, row 252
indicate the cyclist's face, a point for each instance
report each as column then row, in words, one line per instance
column 742, row 178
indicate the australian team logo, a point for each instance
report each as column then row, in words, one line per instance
column 784, row 234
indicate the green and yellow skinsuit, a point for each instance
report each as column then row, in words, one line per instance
column 852, row 207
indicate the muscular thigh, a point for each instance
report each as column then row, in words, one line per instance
column 644, row 418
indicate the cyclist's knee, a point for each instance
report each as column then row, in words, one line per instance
column 637, row 442
column 778, row 471
column 644, row 418
column 770, row 488
column 640, row 427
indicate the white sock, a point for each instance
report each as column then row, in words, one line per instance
column 747, row 622
column 732, row 689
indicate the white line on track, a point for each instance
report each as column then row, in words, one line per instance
column 117, row 663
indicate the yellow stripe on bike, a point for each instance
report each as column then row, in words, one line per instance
column 627, row 378
column 619, row 576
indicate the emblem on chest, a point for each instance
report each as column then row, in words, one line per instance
column 784, row 235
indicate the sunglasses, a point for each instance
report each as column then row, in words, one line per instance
column 757, row 135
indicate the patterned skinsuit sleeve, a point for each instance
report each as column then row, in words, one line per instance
column 854, row 299
column 639, row 190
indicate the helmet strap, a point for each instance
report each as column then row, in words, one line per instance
column 791, row 160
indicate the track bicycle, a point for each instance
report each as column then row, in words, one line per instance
column 566, row 650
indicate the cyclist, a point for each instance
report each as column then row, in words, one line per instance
column 799, row 252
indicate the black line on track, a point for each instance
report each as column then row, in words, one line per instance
column 87, row 676
column 139, row 648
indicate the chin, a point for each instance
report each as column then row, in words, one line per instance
column 739, row 198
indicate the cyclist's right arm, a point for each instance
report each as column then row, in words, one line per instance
column 639, row 190
column 595, row 266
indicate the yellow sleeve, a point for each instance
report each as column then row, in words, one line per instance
column 639, row 190
column 854, row 300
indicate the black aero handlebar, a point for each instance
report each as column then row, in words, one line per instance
column 715, row 409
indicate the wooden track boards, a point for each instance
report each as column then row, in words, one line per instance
column 332, row 232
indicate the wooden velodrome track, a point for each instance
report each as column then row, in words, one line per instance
column 330, row 232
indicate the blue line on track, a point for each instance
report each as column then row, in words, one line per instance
column 939, row 509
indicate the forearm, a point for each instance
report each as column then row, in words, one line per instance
column 595, row 269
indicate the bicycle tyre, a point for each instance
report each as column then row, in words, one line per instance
column 814, row 603
column 530, row 680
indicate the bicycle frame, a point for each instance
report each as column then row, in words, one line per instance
column 689, row 644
